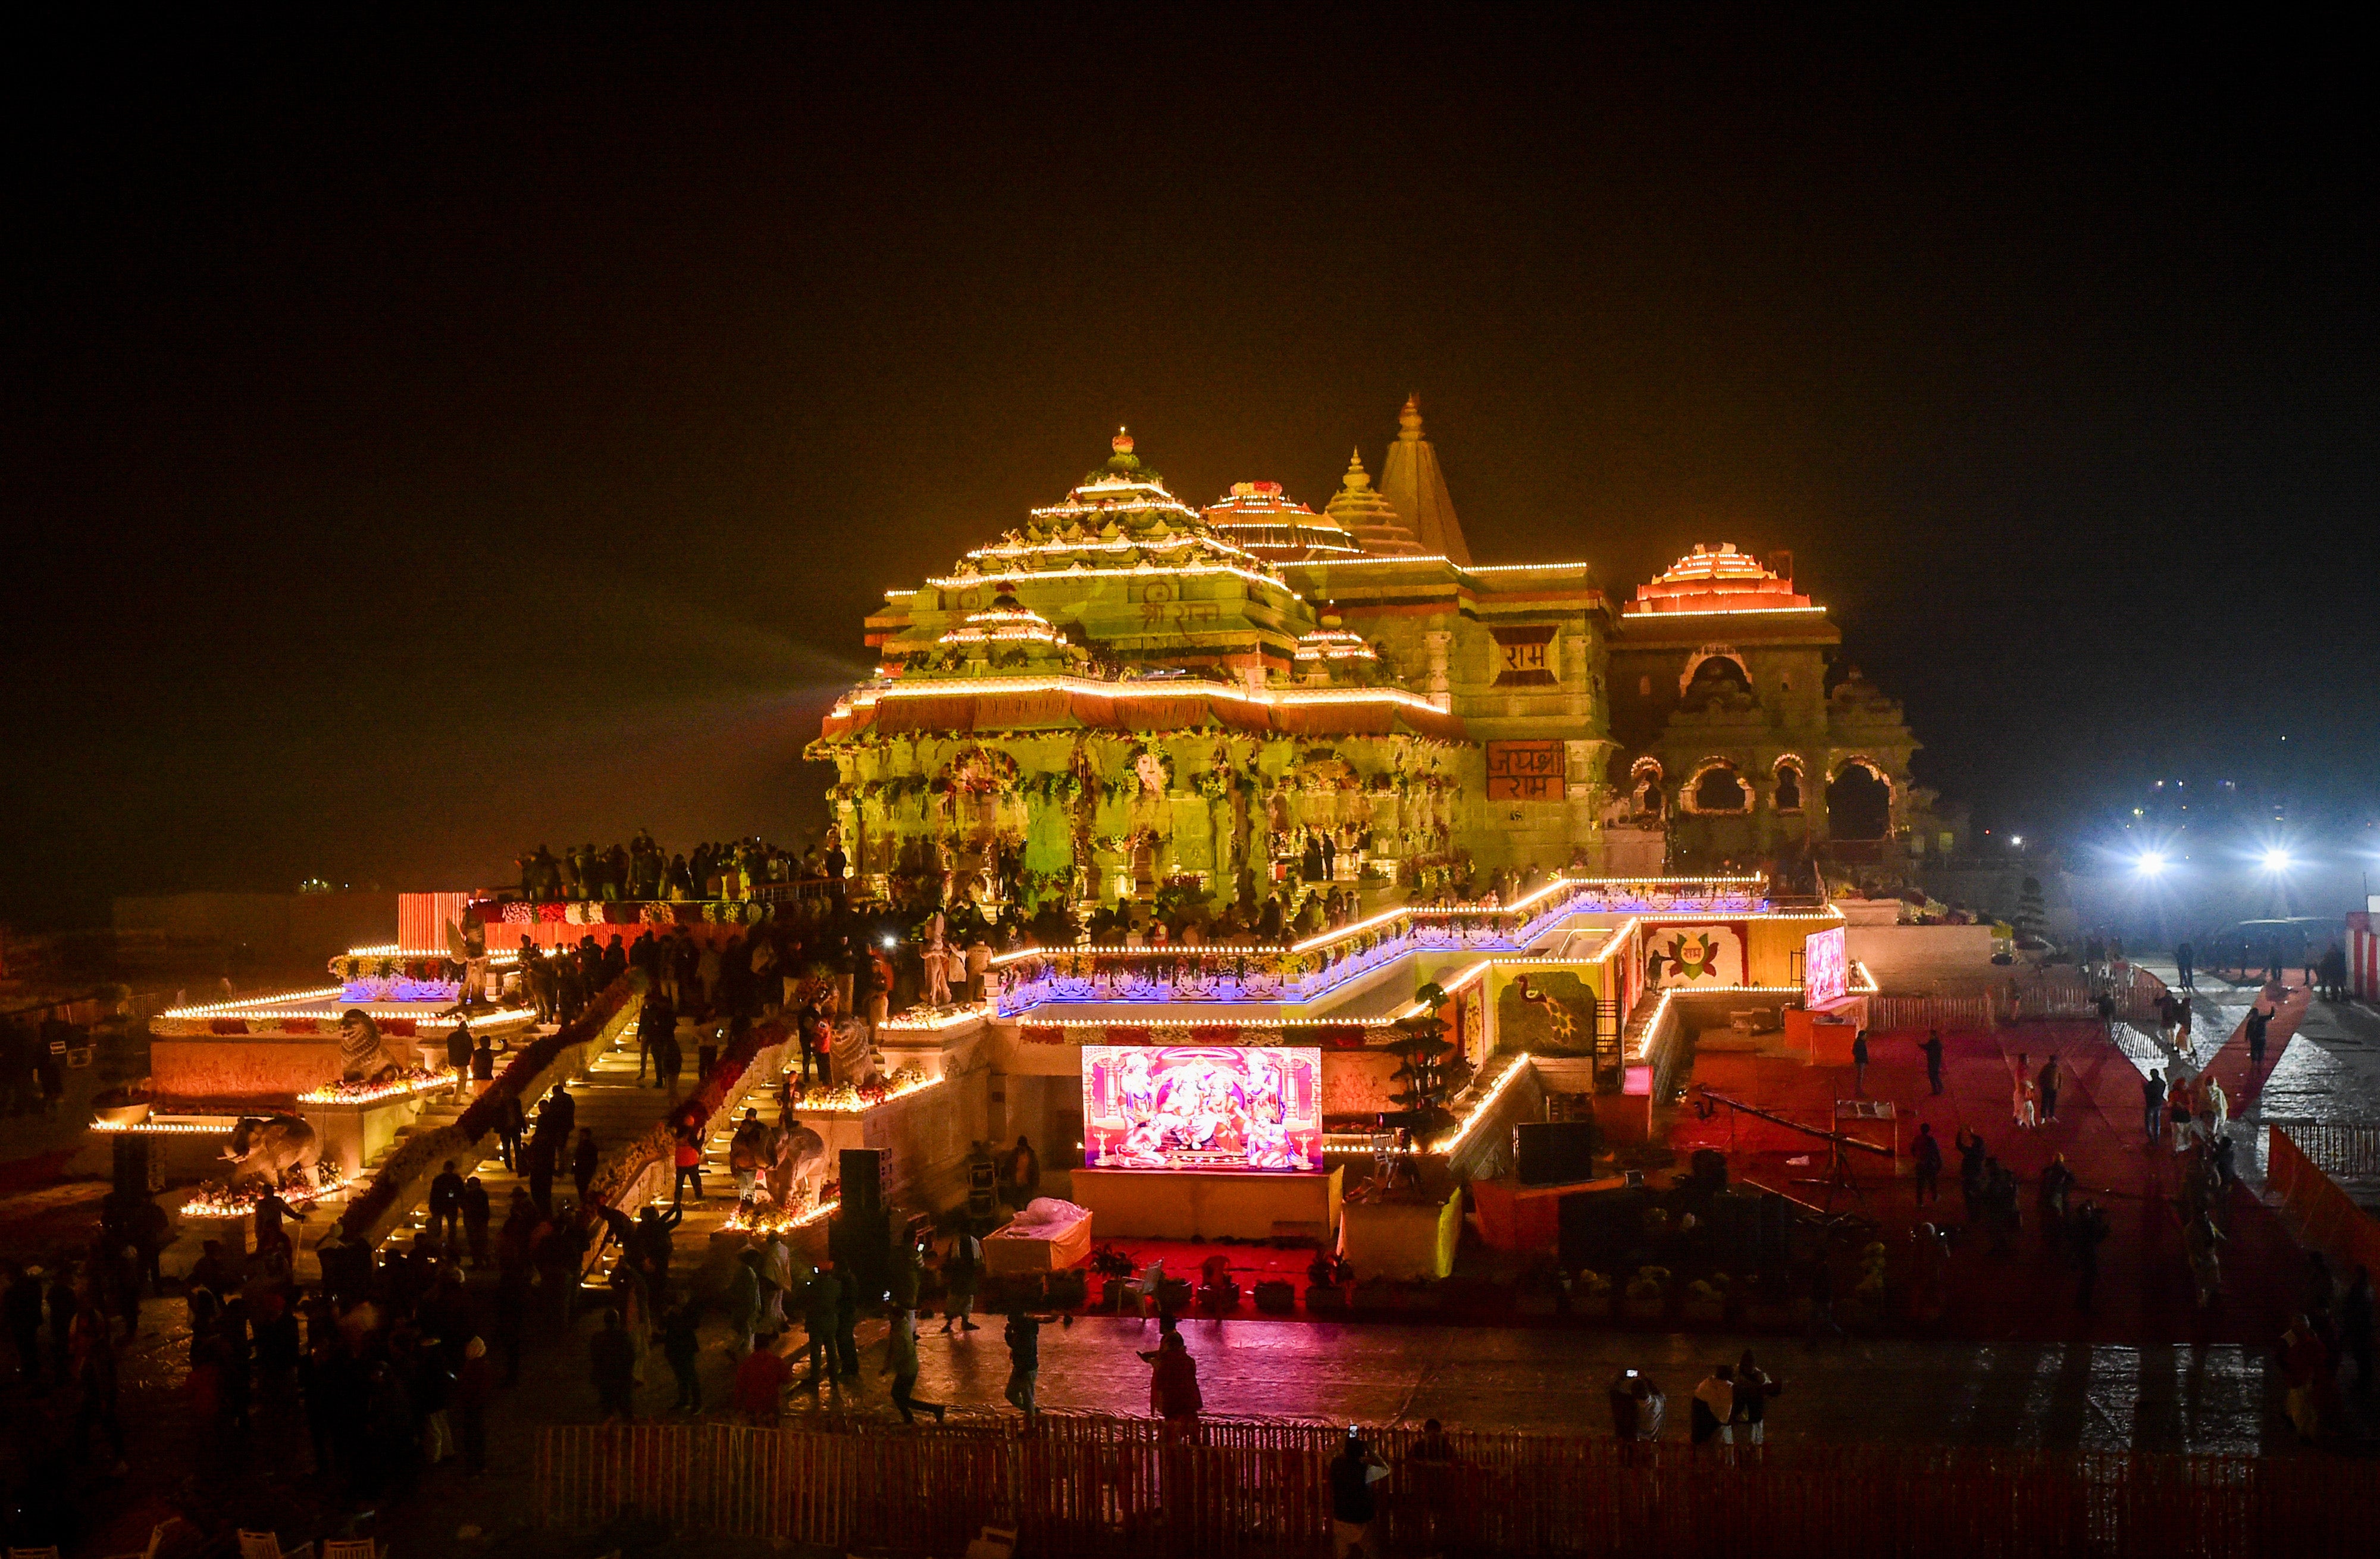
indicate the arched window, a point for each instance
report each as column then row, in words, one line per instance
column 1789, row 788
column 1718, row 790
column 1859, row 803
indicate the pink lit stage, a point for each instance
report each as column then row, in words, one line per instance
column 1205, row 1142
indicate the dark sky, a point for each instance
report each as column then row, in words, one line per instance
column 418, row 443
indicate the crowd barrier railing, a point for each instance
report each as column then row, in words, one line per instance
column 2328, row 1218
column 1088, row 1487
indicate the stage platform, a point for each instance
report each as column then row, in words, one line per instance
column 1189, row 1205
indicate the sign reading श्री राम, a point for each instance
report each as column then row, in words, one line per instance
column 1524, row 771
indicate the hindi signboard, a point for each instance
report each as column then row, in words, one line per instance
column 1524, row 771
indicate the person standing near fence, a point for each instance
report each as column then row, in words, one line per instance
column 682, row 1346
column 1352, row 1505
column 1173, row 1386
column 901, row 1363
column 1932, row 1049
column 1714, row 1409
column 611, row 1362
column 1859, row 1062
column 2047, row 1081
column 2153, row 1107
column 1753, row 1387
column 1929, row 1150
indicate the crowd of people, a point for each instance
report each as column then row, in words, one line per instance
column 640, row 870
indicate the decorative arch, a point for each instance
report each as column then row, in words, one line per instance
column 1788, row 782
column 1644, row 792
column 1860, row 796
column 1703, row 792
column 1727, row 653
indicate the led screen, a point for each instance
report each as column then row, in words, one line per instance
column 1825, row 973
column 1202, row 1107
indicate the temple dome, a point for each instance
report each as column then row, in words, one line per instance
column 1721, row 579
column 1359, row 509
column 1269, row 523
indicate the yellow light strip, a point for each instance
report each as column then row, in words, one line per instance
column 221, row 1009
column 1723, row 611
column 961, row 581
column 1170, row 688
column 1521, row 1062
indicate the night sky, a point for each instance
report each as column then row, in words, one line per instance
column 419, row 445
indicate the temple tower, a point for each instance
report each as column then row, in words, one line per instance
column 1416, row 488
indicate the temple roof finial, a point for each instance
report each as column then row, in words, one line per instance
column 1409, row 420
column 1122, row 443
column 1356, row 475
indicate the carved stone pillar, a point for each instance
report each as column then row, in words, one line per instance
column 1441, row 692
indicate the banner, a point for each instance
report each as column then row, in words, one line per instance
column 1200, row 1107
column 1826, row 971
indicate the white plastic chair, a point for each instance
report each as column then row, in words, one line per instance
column 267, row 1545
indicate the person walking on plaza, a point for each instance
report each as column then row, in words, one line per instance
column 459, row 1046
column 1970, row 1170
column 2199, row 1240
column 2153, row 1107
column 961, row 1269
column 558, row 1114
column 583, row 1160
column 1929, row 1164
column 682, row 1346
column 688, row 1155
column 1932, row 1049
column 2047, row 1081
column 1859, row 1062
column 476, row 1214
column 901, row 1363
column 2023, row 1100
column 1353, row 1472
column 1174, row 1385
column 1023, row 1336
column 2258, row 1020
column 760, row 1387
column 2085, row 1233
column 511, row 1122
column 445, row 1204
column 2182, row 967
column 819, row 1299
column 611, row 1362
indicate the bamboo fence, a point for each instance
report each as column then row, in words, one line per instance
column 1080, row 1487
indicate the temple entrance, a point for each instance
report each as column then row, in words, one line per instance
column 1859, row 804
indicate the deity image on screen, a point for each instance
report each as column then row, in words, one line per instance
column 1202, row 1107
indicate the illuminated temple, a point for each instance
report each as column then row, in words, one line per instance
column 1409, row 843
column 1125, row 694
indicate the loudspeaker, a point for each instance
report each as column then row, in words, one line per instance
column 862, row 1170
column 1548, row 1152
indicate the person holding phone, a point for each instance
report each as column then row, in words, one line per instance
column 1352, row 1505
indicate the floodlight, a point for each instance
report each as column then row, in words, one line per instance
column 2150, row 864
column 2276, row 860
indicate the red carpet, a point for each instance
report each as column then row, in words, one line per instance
column 2230, row 1065
column 2144, row 1290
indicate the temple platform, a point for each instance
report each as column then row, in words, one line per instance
column 1188, row 1205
